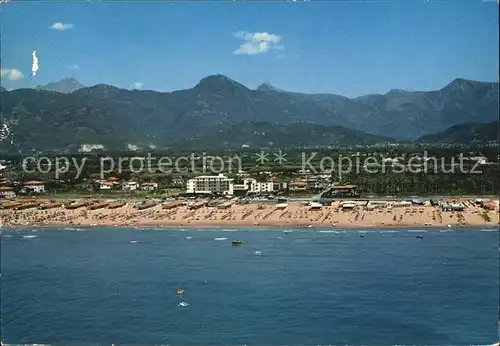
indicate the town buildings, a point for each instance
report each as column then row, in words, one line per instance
column 252, row 186
column 298, row 185
column 113, row 183
column 7, row 192
column 210, row 184
column 108, row 185
column 35, row 186
column 130, row 186
column 149, row 186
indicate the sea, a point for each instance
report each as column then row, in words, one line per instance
column 103, row 286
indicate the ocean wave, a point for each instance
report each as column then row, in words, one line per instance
column 389, row 232
column 189, row 238
column 228, row 230
column 222, row 238
column 417, row 230
column 29, row 236
column 489, row 230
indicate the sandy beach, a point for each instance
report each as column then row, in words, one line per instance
column 251, row 215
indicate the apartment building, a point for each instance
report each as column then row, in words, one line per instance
column 253, row 185
column 207, row 184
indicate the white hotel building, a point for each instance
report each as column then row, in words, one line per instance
column 210, row 184
column 253, row 185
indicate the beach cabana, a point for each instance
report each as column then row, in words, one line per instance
column 12, row 205
column 51, row 205
column 348, row 206
column 77, row 205
column 315, row 206
column 225, row 205
column 198, row 205
column 116, row 205
column 173, row 204
column 145, row 205
column 28, row 205
column 98, row 205
column 281, row 205
column 457, row 207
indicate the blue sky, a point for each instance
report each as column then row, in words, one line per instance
column 349, row 48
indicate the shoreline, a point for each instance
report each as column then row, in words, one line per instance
column 293, row 215
column 237, row 226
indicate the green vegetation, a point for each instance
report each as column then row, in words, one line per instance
column 221, row 113
column 389, row 172
column 466, row 133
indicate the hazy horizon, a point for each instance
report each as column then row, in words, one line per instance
column 270, row 84
column 349, row 49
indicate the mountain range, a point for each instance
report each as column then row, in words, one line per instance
column 64, row 86
column 466, row 133
column 220, row 112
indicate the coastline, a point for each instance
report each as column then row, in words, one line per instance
column 295, row 215
column 234, row 228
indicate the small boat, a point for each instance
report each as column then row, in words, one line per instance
column 419, row 237
column 238, row 242
column 183, row 304
column 180, row 291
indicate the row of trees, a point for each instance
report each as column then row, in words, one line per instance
column 387, row 181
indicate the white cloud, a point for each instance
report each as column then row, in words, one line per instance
column 73, row 67
column 61, row 26
column 252, row 48
column 257, row 42
column 138, row 85
column 11, row 73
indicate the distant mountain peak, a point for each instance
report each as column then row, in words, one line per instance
column 397, row 91
column 217, row 81
column 104, row 86
column 217, row 78
column 460, row 80
column 104, row 89
column 268, row 87
column 69, row 80
column 461, row 83
column 65, row 86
